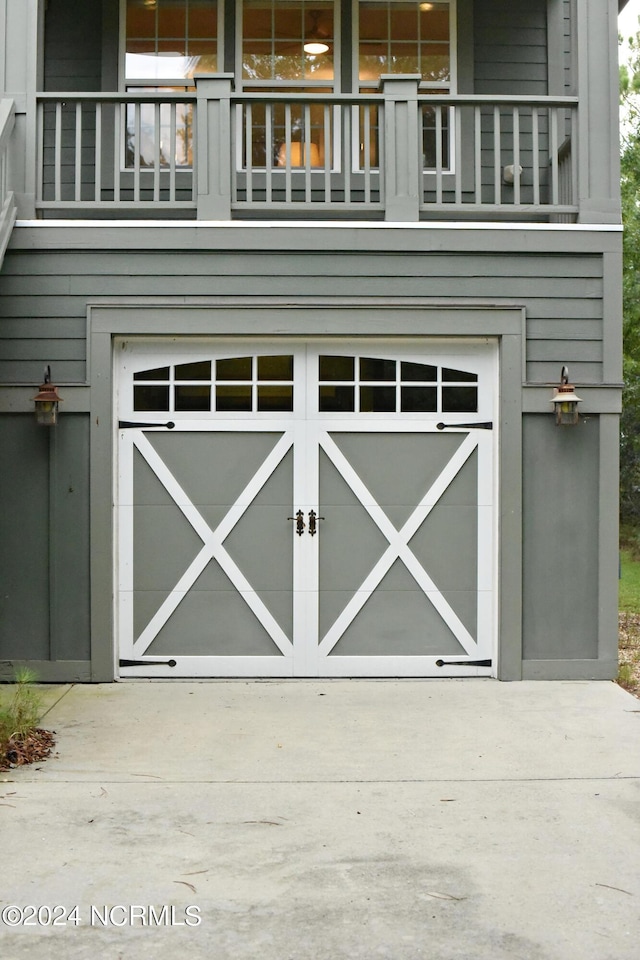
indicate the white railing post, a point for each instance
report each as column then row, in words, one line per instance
column 402, row 149
column 213, row 146
column 7, row 201
column 20, row 42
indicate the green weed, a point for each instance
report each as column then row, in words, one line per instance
column 629, row 586
column 20, row 714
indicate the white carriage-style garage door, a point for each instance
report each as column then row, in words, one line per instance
column 305, row 509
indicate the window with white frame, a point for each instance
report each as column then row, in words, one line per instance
column 285, row 46
column 409, row 37
column 166, row 42
column 288, row 41
column 288, row 46
column 170, row 40
column 404, row 36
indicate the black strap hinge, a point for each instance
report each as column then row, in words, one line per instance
column 485, row 425
column 134, row 423
column 147, row 663
column 463, row 663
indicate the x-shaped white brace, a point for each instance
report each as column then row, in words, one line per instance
column 398, row 544
column 213, row 547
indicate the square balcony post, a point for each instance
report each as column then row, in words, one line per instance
column 598, row 135
column 21, row 42
column 402, row 151
column 213, row 146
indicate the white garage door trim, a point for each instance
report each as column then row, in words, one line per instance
column 310, row 430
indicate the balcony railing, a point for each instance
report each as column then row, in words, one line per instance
column 7, row 201
column 397, row 155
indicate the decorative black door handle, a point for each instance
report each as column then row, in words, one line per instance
column 313, row 516
column 299, row 519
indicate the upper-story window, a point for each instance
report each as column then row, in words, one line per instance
column 170, row 40
column 411, row 37
column 288, row 42
column 396, row 36
column 289, row 46
column 166, row 42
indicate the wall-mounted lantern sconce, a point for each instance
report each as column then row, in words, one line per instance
column 565, row 401
column 46, row 401
column 509, row 173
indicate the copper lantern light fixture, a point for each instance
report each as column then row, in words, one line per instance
column 46, row 401
column 565, row 401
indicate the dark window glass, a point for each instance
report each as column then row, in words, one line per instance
column 460, row 399
column 337, row 368
column 419, row 399
column 159, row 373
column 275, row 368
column 372, row 369
column 377, row 399
column 336, row 400
column 151, row 398
column 418, row 371
column 193, row 398
column 233, row 398
column 275, row 398
column 458, row 376
column 194, row 371
column 236, row 368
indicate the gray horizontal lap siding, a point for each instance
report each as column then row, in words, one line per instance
column 73, row 46
column 44, row 296
column 510, row 58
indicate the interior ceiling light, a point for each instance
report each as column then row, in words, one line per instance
column 314, row 44
column 315, row 47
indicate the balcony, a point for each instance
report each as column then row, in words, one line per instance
column 397, row 155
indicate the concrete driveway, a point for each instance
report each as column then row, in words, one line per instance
column 306, row 820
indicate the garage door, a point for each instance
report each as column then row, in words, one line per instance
column 305, row 509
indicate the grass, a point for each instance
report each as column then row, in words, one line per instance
column 19, row 715
column 629, row 618
column 629, row 588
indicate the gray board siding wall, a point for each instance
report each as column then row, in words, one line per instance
column 561, row 280
column 44, row 296
column 510, row 47
column 73, row 41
